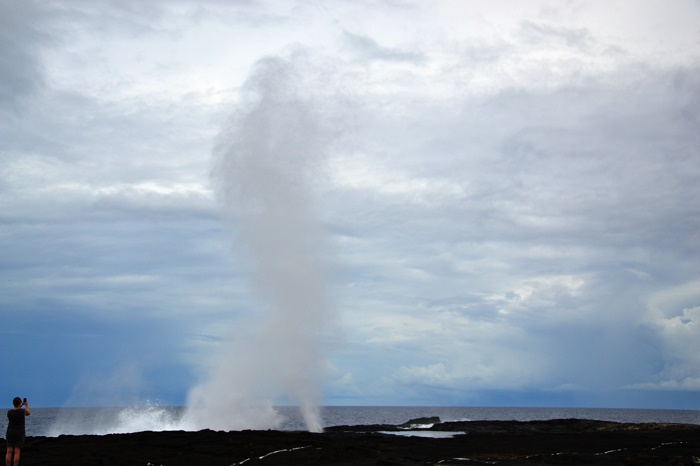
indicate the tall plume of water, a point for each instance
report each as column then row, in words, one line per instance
column 265, row 162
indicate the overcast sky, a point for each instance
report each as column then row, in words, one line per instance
column 510, row 196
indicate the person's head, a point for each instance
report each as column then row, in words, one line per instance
column 16, row 402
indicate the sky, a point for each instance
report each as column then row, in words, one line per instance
column 504, row 196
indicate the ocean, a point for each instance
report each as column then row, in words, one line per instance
column 52, row 422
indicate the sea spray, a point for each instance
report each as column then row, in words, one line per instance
column 103, row 421
column 265, row 161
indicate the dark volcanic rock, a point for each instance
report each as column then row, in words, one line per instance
column 557, row 442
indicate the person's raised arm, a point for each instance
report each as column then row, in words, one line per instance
column 27, row 412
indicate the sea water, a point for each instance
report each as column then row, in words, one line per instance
column 52, row 422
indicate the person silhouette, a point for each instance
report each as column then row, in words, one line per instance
column 15, row 430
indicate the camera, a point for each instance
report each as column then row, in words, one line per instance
column 25, row 400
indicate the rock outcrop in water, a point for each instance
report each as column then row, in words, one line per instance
column 420, row 421
column 555, row 442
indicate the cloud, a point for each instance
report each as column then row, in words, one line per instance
column 22, row 37
column 512, row 197
column 686, row 384
column 366, row 48
column 673, row 314
column 521, row 212
column 539, row 33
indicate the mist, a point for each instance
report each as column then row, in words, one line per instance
column 265, row 163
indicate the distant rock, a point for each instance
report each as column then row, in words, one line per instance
column 421, row 421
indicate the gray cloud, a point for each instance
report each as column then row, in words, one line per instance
column 533, row 234
column 366, row 48
column 21, row 38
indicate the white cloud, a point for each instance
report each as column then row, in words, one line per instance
column 686, row 384
column 674, row 315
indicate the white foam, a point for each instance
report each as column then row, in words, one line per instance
column 271, row 453
column 418, row 426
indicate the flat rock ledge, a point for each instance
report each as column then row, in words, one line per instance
column 555, row 442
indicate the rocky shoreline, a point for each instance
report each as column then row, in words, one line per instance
column 555, row 442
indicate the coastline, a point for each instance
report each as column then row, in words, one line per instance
column 552, row 442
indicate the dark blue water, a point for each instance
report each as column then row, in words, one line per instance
column 57, row 421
